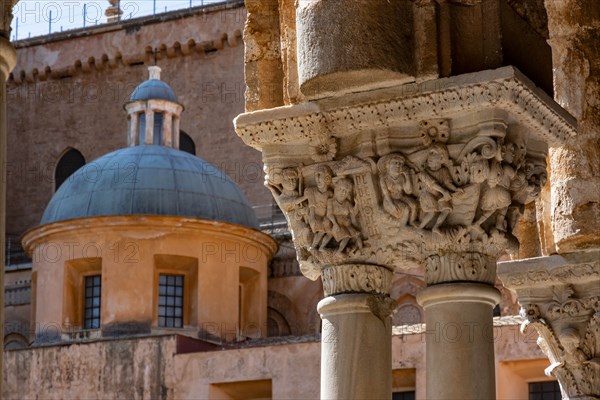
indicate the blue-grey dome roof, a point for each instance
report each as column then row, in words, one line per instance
column 150, row 180
column 153, row 89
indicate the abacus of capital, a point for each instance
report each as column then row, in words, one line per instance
column 435, row 174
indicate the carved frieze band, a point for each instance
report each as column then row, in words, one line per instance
column 543, row 277
column 357, row 279
column 569, row 334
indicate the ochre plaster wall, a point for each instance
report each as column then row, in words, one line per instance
column 127, row 250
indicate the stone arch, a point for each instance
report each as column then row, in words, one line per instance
column 408, row 312
column 15, row 340
column 69, row 161
column 406, row 284
column 277, row 325
column 186, row 143
column 281, row 309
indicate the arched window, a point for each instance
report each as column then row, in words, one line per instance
column 186, row 143
column 70, row 162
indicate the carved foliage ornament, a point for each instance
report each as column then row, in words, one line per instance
column 356, row 279
column 569, row 335
column 450, row 205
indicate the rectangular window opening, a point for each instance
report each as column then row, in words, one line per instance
column 92, row 302
column 170, row 301
column 548, row 390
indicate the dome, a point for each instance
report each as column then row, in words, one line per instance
column 153, row 89
column 150, row 180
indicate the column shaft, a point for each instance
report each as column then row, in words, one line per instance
column 356, row 347
column 459, row 341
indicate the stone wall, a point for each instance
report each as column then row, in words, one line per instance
column 160, row 367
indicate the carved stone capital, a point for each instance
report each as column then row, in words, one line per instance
column 560, row 299
column 433, row 175
column 6, row 17
column 355, row 278
column 8, row 57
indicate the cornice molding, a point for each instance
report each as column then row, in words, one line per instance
column 145, row 226
column 505, row 88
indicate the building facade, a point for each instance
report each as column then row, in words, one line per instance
column 241, row 339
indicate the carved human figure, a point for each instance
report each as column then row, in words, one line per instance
column 302, row 234
column 397, row 188
column 286, row 190
column 342, row 214
column 317, row 204
column 570, row 340
column 289, row 197
column 496, row 198
column 435, row 197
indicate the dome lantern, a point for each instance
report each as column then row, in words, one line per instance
column 154, row 113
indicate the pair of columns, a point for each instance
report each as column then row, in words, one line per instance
column 356, row 341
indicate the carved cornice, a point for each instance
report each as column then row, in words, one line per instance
column 585, row 272
column 355, row 278
column 8, row 57
column 505, row 88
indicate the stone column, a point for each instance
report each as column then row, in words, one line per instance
column 574, row 29
column 333, row 54
column 8, row 60
column 560, row 300
column 370, row 182
column 460, row 345
column 356, row 345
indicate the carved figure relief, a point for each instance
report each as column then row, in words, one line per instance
column 409, row 206
column 318, row 197
column 436, row 187
column 396, row 180
column 342, row 213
